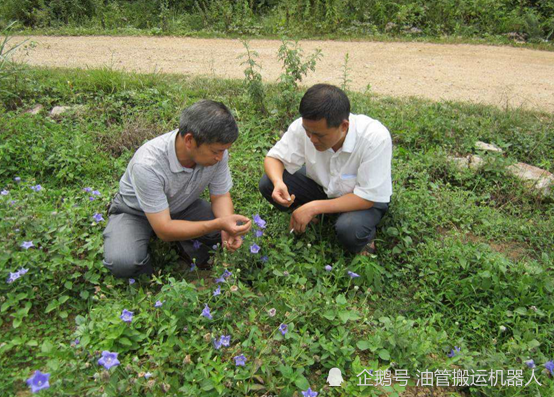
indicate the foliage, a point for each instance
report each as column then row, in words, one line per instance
column 464, row 257
column 253, row 79
column 531, row 20
column 295, row 68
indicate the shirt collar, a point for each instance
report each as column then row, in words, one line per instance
column 174, row 164
column 350, row 140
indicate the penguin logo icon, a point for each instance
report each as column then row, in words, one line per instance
column 335, row 377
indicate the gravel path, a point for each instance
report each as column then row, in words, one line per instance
column 501, row 76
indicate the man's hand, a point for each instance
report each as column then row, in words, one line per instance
column 301, row 217
column 235, row 225
column 231, row 243
column 281, row 195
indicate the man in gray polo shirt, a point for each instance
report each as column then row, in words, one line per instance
column 159, row 193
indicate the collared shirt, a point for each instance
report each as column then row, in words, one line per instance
column 361, row 166
column 155, row 179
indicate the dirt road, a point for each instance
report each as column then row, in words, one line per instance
column 501, row 76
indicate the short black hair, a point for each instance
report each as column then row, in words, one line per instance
column 209, row 122
column 325, row 101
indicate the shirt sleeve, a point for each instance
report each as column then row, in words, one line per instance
column 149, row 189
column 221, row 183
column 374, row 181
column 290, row 150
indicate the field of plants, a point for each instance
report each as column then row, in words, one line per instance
column 505, row 21
column 462, row 279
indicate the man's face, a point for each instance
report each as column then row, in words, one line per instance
column 208, row 154
column 322, row 136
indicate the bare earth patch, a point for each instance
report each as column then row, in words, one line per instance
column 499, row 76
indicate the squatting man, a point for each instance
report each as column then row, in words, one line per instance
column 328, row 162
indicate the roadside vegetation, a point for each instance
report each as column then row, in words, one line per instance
column 490, row 21
column 462, row 279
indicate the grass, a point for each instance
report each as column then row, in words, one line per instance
column 494, row 40
column 464, row 258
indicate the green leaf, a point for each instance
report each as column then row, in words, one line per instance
column 341, row 300
column 63, row 299
column 384, row 355
column 363, row 345
column 330, row 315
column 302, row 383
column 51, row 306
column 47, row 346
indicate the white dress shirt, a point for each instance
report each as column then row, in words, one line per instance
column 361, row 166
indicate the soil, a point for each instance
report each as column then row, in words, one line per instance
column 505, row 77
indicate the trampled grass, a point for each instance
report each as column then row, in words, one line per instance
column 464, row 258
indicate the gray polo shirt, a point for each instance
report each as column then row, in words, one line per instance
column 155, row 180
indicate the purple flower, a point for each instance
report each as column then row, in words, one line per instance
column 353, row 275
column 38, row 381
column 196, row 244
column 206, row 312
column 220, row 279
column 13, row 277
column 4, row 192
column 328, row 268
column 240, row 360
column 108, row 359
column 158, row 304
column 283, row 328
column 225, row 340
column 12, row 202
column 76, row 341
column 147, row 375
column 254, row 248
column 98, row 217
column 17, row 179
column 36, row 188
column 226, row 274
column 132, row 281
column 91, row 198
column 530, row 363
column 550, row 366
column 95, row 193
column 310, row 393
column 259, row 233
column 126, row 316
column 192, row 267
column 264, row 258
column 217, row 344
column 217, row 291
column 22, row 271
column 259, row 221
column 214, row 247
column 453, row 351
column 272, row 312
column 27, row 244
column 87, row 189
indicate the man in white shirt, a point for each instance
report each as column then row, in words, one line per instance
column 331, row 161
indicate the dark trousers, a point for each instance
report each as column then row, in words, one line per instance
column 128, row 234
column 354, row 229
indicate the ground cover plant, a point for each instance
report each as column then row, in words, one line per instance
column 494, row 21
column 462, row 278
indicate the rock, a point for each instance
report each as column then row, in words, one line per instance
column 36, row 110
column 470, row 161
column 413, row 30
column 539, row 179
column 488, row 147
column 390, row 26
column 59, row 110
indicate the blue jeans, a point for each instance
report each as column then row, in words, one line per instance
column 354, row 229
column 128, row 234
